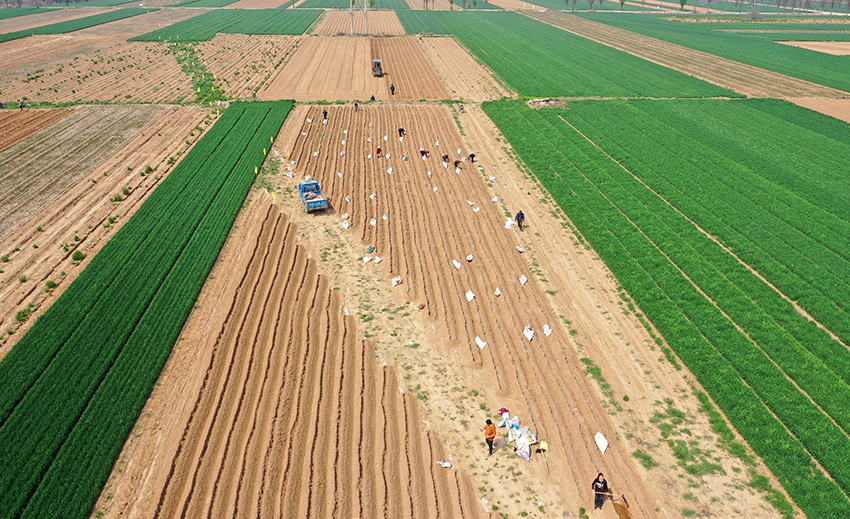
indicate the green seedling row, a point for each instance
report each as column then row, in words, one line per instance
column 233, row 21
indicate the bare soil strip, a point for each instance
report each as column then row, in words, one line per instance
column 838, row 108
column 258, row 4
column 41, row 48
column 22, row 23
column 341, row 69
column 245, row 63
column 112, row 72
column 36, row 170
column 748, row 80
column 137, row 25
column 381, row 23
column 79, row 219
column 288, row 413
column 836, row 48
column 465, row 78
column 516, row 5
column 18, row 124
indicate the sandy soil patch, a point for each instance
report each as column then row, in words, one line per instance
column 18, row 124
column 341, row 68
column 273, row 405
column 465, row 78
column 137, row 25
column 516, row 5
column 836, row 48
column 122, row 72
column 381, row 23
column 42, row 48
column 243, row 63
column 84, row 217
column 745, row 79
column 22, row 23
column 838, row 108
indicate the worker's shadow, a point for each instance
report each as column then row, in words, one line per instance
column 500, row 443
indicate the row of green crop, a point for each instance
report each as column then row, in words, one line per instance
column 745, row 191
column 650, row 248
column 233, row 21
column 817, row 67
column 538, row 60
column 14, row 12
column 76, row 25
column 344, row 4
column 72, row 388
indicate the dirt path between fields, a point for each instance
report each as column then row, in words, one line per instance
column 745, row 79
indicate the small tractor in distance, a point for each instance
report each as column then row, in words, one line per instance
column 377, row 71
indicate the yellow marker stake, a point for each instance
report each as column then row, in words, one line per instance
column 255, row 170
column 264, row 151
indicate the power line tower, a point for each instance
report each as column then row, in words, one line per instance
column 359, row 5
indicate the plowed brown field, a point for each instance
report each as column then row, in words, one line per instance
column 419, row 223
column 18, row 124
column 380, row 23
column 36, row 170
column 745, row 79
column 244, row 63
column 838, row 108
column 467, row 79
column 124, row 72
column 136, row 25
column 287, row 413
column 22, row 23
column 341, row 68
column 79, row 217
column 836, row 48
column 41, row 48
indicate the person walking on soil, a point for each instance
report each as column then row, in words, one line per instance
column 471, row 158
column 325, row 113
column 401, row 132
column 392, row 89
column 489, row 436
column 22, row 105
column 600, row 490
column 520, row 220
column 457, row 164
column 356, row 106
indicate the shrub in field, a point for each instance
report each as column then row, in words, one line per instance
column 78, row 256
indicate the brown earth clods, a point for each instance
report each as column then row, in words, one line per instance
column 341, row 69
column 467, row 79
column 381, row 23
column 18, row 124
column 745, row 79
column 74, row 213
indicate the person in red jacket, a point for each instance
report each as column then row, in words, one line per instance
column 489, row 435
column 600, row 491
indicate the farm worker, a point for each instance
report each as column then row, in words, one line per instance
column 461, row 108
column 401, row 132
column 325, row 113
column 600, row 490
column 1, row 105
column 22, row 105
column 392, row 89
column 423, row 152
column 489, row 436
column 373, row 97
column 520, row 219
column 446, row 158
column 457, row 164
column 378, row 152
column 471, row 157
column 255, row 94
column 356, row 106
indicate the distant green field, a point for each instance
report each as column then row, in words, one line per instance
column 656, row 186
column 344, row 4
column 538, row 60
column 235, row 21
column 104, row 3
column 14, row 12
column 76, row 25
column 757, row 50
column 208, row 3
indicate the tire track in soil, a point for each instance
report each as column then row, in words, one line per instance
column 293, row 417
column 555, row 394
column 18, row 124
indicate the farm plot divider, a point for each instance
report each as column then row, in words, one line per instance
column 72, row 388
column 236, row 21
column 78, row 24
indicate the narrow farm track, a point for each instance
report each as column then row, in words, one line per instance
column 244, row 63
column 20, row 124
column 42, row 166
column 745, row 79
column 419, row 218
column 295, row 417
column 384, row 23
column 80, row 217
